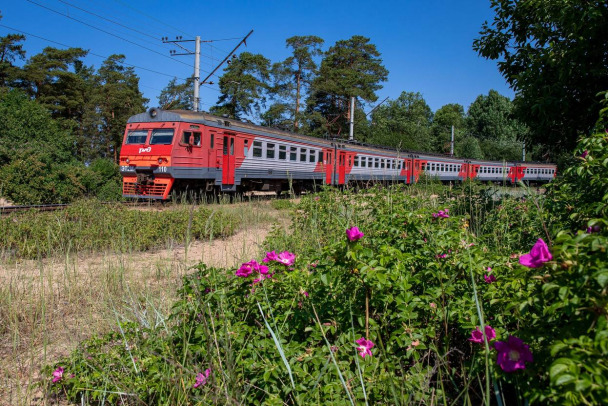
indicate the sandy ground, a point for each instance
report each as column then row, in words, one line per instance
column 51, row 305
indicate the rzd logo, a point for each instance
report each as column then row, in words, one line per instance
column 149, row 149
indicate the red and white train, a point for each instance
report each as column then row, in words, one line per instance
column 184, row 150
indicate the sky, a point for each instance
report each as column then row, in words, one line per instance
column 426, row 45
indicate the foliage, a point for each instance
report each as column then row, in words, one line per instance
column 90, row 225
column 350, row 68
column 243, row 86
column 554, row 54
column 447, row 116
column 490, row 119
column 403, row 123
column 177, row 96
column 415, row 281
column 294, row 75
column 10, row 50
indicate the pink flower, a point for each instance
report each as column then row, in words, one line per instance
column 354, row 234
column 539, row 254
column 57, row 374
column 286, row 258
column 305, row 293
column 433, row 305
column 513, row 354
column 489, row 278
column 364, row 347
column 201, row 378
column 584, row 154
column 489, row 270
column 593, row 229
column 477, row 335
column 415, row 343
column 441, row 256
column 246, row 269
column 442, row 213
column 271, row 256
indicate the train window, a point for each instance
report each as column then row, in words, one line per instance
column 303, row 154
column 442, row 167
column 196, row 138
column 321, row 156
column 363, row 161
column 231, row 145
column 382, row 163
column 162, row 136
column 350, row 160
column 211, row 141
column 257, row 149
column 357, row 161
column 282, row 152
column 293, row 154
column 312, row 156
column 225, row 144
column 246, row 147
column 137, row 137
column 270, row 151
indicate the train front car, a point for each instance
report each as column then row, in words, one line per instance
column 159, row 150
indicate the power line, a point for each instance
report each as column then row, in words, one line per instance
column 107, row 32
column 91, row 53
column 153, row 18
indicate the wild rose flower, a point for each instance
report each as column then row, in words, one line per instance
column 433, row 305
column 442, row 214
column 539, row 254
column 305, row 293
column 201, row 378
column 513, row 354
column 286, row 258
column 593, row 229
column 364, row 347
column 271, row 256
column 441, row 256
column 354, row 234
column 477, row 335
column 489, row 278
column 584, row 154
column 57, row 374
column 246, row 269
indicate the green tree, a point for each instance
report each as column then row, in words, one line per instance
column 118, row 98
column 37, row 162
column 243, row 85
column 10, row 50
column 404, row 123
column 554, row 54
column 278, row 116
column 490, row 119
column 51, row 78
column 350, row 68
column 294, row 75
column 443, row 120
column 177, row 96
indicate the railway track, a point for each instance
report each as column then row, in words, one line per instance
column 6, row 210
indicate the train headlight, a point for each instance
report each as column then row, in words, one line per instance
column 128, row 160
column 160, row 161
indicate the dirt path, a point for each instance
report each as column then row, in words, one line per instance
column 47, row 307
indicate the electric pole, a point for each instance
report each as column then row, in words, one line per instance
column 351, row 133
column 197, row 61
column 452, row 143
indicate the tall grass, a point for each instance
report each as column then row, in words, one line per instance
column 91, row 267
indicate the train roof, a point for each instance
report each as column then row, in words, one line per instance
column 205, row 118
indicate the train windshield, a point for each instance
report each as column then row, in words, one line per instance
column 162, row 137
column 137, row 137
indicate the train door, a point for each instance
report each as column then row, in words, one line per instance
column 341, row 167
column 416, row 171
column 408, row 170
column 329, row 167
column 464, row 171
column 228, row 159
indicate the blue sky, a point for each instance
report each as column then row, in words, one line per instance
column 425, row 45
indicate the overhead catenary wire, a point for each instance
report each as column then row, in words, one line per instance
column 90, row 53
column 107, row 32
column 122, row 25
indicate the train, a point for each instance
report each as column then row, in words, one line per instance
column 167, row 151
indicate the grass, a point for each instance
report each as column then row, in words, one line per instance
column 67, row 275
